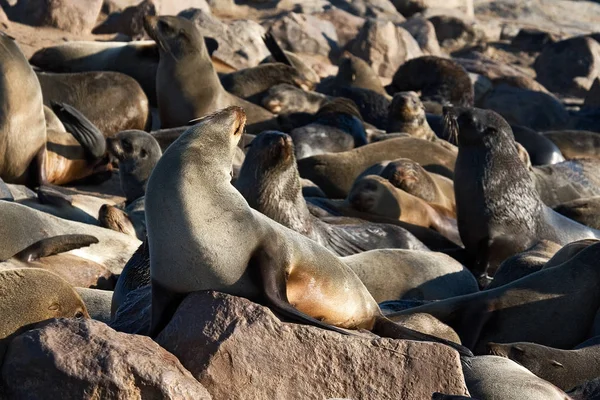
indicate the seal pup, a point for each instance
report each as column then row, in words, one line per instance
column 376, row 195
column 337, row 127
column 183, row 53
column 335, row 173
column 407, row 115
column 355, row 72
column 287, row 99
column 112, row 101
column 440, row 80
column 22, row 121
column 537, row 308
column 493, row 377
column 270, row 183
column 563, row 368
column 499, row 211
column 256, row 256
column 31, row 295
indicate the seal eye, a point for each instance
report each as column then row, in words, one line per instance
column 490, row 130
column 143, row 153
column 127, row 146
column 79, row 314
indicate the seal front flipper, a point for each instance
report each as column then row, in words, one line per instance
column 82, row 129
column 273, row 282
column 276, row 51
column 385, row 327
column 54, row 245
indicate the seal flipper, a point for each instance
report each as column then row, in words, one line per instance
column 385, row 327
column 82, row 129
column 49, row 195
column 274, row 286
column 54, row 245
column 274, row 48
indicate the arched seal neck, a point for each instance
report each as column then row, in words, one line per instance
column 270, row 182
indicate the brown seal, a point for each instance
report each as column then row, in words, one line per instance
column 376, row 195
column 586, row 211
column 537, row 308
column 563, row 368
column 31, row 295
column 237, row 250
column 576, row 144
column 335, row 173
column 183, row 55
column 22, row 121
column 439, row 80
column 499, row 210
column 112, row 101
column 354, row 71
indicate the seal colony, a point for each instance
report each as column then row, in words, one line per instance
column 243, row 193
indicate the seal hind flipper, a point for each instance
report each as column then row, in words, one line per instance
column 54, row 245
column 82, row 129
column 385, row 327
column 274, row 286
column 274, row 48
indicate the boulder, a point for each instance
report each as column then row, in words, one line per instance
column 227, row 342
column 300, row 33
column 570, row 66
column 346, row 25
column 73, row 16
column 424, row 33
column 240, row 41
column 76, row 359
column 384, row 46
column 536, row 110
column 454, row 33
column 379, row 9
column 411, row 7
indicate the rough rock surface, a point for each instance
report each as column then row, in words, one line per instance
column 378, row 9
column 569, row 66
column 346, row 25
column 424, row 33
column 69, row 15
column 76, row 359
column 229, row 342
column 301, row 33
column 384, row 46
column 410, row 7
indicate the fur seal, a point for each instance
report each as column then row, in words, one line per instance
column 439, row 80
column 375, row 195
column 286, row 99
column 337, row 127
column 270, row 183
column 31, row 295
column 499, row 211
column 137, row 153
column 407, row 114
column 130, row 220
column 355, row 72
column 541, row 150
column 537, row 308
column 409, row 176
column 493, row 377
column 240, row 251
column 586, row 211
column 22, row 121
column 135, row 274
column 335, row 173
column 183, row 54
column 373, row 106
column 112, row 101
column 576, row 143
column 563, row 368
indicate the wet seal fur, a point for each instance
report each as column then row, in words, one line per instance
column 238, row 250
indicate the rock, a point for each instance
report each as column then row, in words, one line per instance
column 481, row 86
column 97, row 303
column 346, row 25
column 133, row 316
column 301, row 33
column 411, row 7
column 424, row 33
column 384, row 46
column 240, row 41
column 227, row 342
column 76, row 359
column 73, row 16
column 219, row 6
column 536, row 110
column 170, row 7
column 532, row 40
column 130, row 22
column 453, row 33
column 378, row 9
column 592, row 98
column 570, row 66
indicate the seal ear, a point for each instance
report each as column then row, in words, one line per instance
column 54, row 245
column 211, row 45
column 82, row 129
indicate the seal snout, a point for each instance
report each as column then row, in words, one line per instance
column 240, row 119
